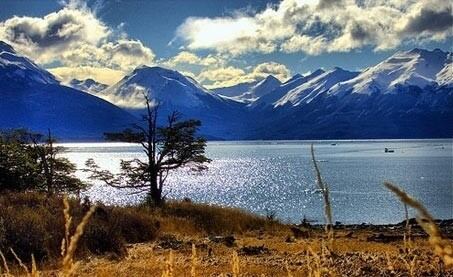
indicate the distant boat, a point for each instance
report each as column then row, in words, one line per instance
column 333, row 144
column 387, row 150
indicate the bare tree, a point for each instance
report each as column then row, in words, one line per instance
column 167, row 148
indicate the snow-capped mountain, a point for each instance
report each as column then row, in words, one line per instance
column 32, row 98
column 445, row 76
column 235, row 90
column 269, row 100
column 408, row 95
column 88, row 85
column 17, row 68
column 168, row 87
column 308, row 91
column 260, row 89
column 416, row 68
column 221, row 118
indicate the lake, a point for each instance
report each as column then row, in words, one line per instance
column 278, row 177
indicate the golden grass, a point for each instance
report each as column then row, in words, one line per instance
column 307, row 257
column 441, row 247
column 193, row 270
column 235, row 264
column 70, row 245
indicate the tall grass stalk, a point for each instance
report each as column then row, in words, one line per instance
column 441, row 247
column 235, row 264
column 5, row 264
column 34, row 268
column 21, row 264
column 193, row 270
column 326, row 197
column 68, row 259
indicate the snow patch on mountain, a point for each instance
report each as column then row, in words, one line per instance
column 165, row 86
column 14, row 67
column 87, row 85
column 269, row 99
column 262, row 88
column 234, row 91
column 417, row 67
column 311, row 89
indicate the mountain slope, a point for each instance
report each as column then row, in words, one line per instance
column 417, row 68
column 269, row 100
column 221, row 118
column 257, row 91
column 409, row 95
column 32, row 98
column 312, row 88
column 235, row 90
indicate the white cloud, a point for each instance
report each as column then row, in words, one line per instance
column 189, row 58
column 74, row 37
column 321, row 26
column 230, row 75
column 101, row 74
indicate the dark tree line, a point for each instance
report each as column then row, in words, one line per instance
column 31, row 161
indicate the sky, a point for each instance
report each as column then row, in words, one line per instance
column 220, row 42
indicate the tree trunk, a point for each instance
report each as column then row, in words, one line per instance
column 155, row 194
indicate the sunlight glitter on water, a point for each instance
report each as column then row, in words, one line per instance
column 278, row 176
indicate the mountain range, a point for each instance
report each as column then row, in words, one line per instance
column 32, row 98
column 408, row 95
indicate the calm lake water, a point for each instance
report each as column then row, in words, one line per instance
column 278, row 176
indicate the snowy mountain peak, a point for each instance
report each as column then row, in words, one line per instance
column 87, row 85
column 17, row 68
column 314, row 87
column 163, row 85
column 272, row 97
column 417, row 67
column 262, row 88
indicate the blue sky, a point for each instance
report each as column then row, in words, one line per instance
column 220, row 42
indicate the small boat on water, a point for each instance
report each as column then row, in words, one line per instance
column 388, row 150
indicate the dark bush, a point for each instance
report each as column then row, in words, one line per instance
column 33, row 223
column 136, row 224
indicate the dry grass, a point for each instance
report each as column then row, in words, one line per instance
column 198, row 256
column 69, row 245
column 441, row 247
column 326, row 197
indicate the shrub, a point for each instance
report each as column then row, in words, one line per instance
column 33, row 223
column 218, row 220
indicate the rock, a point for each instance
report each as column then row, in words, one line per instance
column 380, row 237
column 254, row 250
column 227, row 240
column 170, row 242
column 299, row 232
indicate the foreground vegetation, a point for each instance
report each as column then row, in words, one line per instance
column 187, row 239
column 43, row 233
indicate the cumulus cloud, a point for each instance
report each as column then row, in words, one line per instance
column 230, row 75
column 271, row 68
column 429, row 20
column 189, row 58
column 101, row 74
column 73, row 37
column 319, row 26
